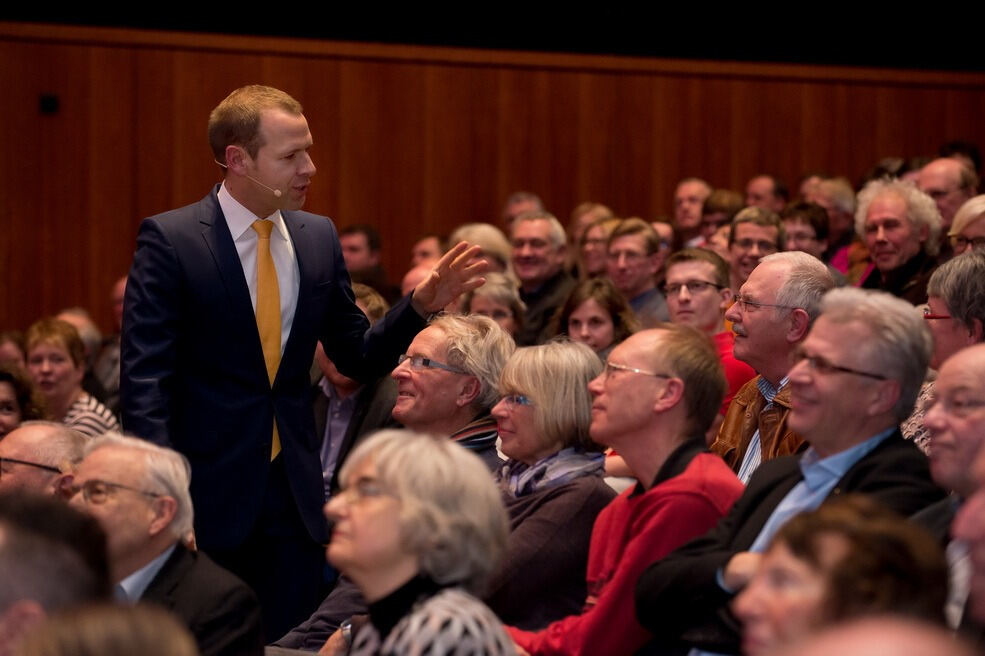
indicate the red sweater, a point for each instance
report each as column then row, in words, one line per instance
column 737, row 372
column 632, row 532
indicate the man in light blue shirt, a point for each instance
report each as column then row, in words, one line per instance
column 854, row 378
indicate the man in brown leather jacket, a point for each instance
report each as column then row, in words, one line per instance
column 770, row 317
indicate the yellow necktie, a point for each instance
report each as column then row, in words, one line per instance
column 268, row 310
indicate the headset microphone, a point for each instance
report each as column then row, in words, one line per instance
column 276, row 192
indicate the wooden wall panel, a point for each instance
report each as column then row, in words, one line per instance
column 411, row 139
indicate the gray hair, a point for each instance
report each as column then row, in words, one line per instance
column 501, row 289
column 960, row 282
column 451, row 514
column 807, row 280
column 486, row 236
column 555, row 233
column 839, row 192
column 61, row 445
column 900, row 344
column 166, row 472
column 920, row 208
column 479, row 346
column 555, row 376
column 969, row 212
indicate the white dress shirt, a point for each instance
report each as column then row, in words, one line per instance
column 240, row 221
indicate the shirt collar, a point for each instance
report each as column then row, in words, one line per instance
column 239, row 219
column 767, row 390
column 134, row 585
column 816, row 470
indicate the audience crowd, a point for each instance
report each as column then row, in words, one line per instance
column 753, row 425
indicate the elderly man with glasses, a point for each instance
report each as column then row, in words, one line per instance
column 854, row 378
column 139, row 494
column 770, row 318
column 39, row 456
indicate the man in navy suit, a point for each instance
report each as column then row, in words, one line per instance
column 199, row 374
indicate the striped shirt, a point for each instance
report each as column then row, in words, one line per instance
column 90, row 417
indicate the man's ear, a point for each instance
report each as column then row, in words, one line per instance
column 236, row 160
column 800, row 324
column 886, row 395
column 670, row 395
column 164, row 509
column 469, row 391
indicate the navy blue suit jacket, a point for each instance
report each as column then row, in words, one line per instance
column 192, row 369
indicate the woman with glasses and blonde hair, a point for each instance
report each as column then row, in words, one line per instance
column 420, row 528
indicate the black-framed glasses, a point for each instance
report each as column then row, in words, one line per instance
column 420, row 362
column 960, row 241
column 97, row 492
column 611, row 367
column 692, row 286
column 745, row 303
column 825, row 367
column 28, row 463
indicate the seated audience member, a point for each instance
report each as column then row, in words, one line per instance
column 871, row 636
column 718, row 210
column 596, row 314
column 427, row 250
column 955, row 314
column 362, row 250
column 139, row 493
column 19, row 399
column 110, row 630
column 770, row 318
column 498, row 299
column 956, row 426
column 634, row 258
column 56, row 362
column 767, row 192
column 13, row 350
column 969, row 523
column 849, row 558
column 346, row 410
column 447, row 382
column 755, row 233
column 856, row 377
column 718, row 242
column 107, row 365
column 901, row 228
column 92, row 340
column 520, row 202
column 420, row 528
column 950, row 183
column 653, row 403
column 415, row 276
column 593, row 248
column 495, row 247
column 806, row 228
column 666, row 236
column 968, row 230
column 689, row 196
column 697, row 295
column 538, row 262
column 552, row 482
column 40, row 456
column 583, row 216
column 40, row 576
column 808, row 183
column 837, row 198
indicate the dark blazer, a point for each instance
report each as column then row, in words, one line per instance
column 219, row 609
column 372, row 412
column 192, row 369
column 678, row 598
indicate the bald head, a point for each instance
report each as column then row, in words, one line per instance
column 48, row 452
column 415, row 276
column 950, row 183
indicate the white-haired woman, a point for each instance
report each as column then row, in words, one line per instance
column 419, row 527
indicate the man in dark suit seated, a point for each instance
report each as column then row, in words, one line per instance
column 856, row 377
column 139, row 493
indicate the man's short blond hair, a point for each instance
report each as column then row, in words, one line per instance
column 236, row 120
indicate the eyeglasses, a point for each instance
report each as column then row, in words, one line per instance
column 692, row 286
column 514, row 400
column 960, row 241
column 611, row 367
column 97, row 492
column 364, row 488
column 956, row 406
column 929, row 315
column 825, row 367
column 419, row 362
column 763, row 245
column 4, row 461
column 745, row 303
